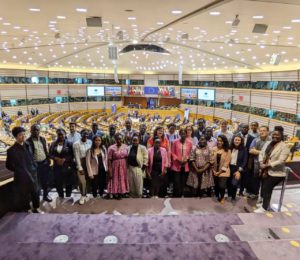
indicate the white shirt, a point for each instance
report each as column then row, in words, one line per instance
column 234, row 156
column 73, row 138
column 80, row 149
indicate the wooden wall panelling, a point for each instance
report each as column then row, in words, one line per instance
column 241, row 77
column 223, row 113
column 261, row 98
column 285, row 75
column 240, row 117
column 284, row 101
column 12, row 91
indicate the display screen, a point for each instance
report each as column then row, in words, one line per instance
column 95, row 91
column 135, row 90
column 189, row 93
column 206, row 94
column 113, row 91
column 166, row 91
column 151, row 90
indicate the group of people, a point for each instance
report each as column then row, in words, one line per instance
column 188, row 162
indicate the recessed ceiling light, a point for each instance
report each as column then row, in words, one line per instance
column 81, row 10
column 257, row 17
column 215, row 13
column 228, row 22
column 17, row 27
column 176, row 12
column 60, row 17
column 295, row 21
column 277, row 32
column 34, row 9
column 6, row 23
column 287, row 27
column 131, row 18
column 159, row 23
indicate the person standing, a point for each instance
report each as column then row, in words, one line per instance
column 255, row 149
column 73, row 136
column 238, row 164
column 254, row 129
column 61, row 152
column 221, row 168
column 200, row 176
column 181, row 151
column 21, row 162
column 41, row 156
column 128, row 132
column 211, row 141
column 80, row 149
column 109, row 139
column 117, row 168
column 95, row 131
column 143, row 135
column 96, row 164
column 272, row 164
column 158, row 161
column 172, row 135
column 137, row 163
column 201, row 128
column 224, row 131
column 245, row 182
column 190, row 135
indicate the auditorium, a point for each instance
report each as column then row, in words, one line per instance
column 150, row 130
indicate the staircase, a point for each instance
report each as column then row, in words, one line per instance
column 102, row 236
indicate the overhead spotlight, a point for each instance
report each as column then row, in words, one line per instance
column 236, row 21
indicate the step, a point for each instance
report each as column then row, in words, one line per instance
column 69, row 251
column 271, row 219
column 94, row 229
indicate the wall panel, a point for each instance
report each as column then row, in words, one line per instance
column 284, row 101
column 241, row 97
column 8, row 92
column 223, row 95
column 59, row 107
column 261, row 120
column 240, row 117
column 223, row 113
column 37, row 91
column 261, row 98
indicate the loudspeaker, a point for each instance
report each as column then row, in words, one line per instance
column 94, row 22
column 260, row 28
column 275, row 59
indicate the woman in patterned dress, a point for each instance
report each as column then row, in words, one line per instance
column 201, row 177
column 117, row 168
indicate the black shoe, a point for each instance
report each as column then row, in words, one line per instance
column 48, row 199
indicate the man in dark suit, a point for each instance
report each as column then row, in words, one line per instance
column 143, row 135
column 20, row 161
column 38, row 146
column 201, row 128
column 246, row 177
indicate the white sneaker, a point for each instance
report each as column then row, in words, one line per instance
column 87, row 198
column 81, row 201
column 260, row 210
column 259, row 202
column 38, row 211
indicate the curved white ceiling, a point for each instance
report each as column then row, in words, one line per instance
column 54, row 34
